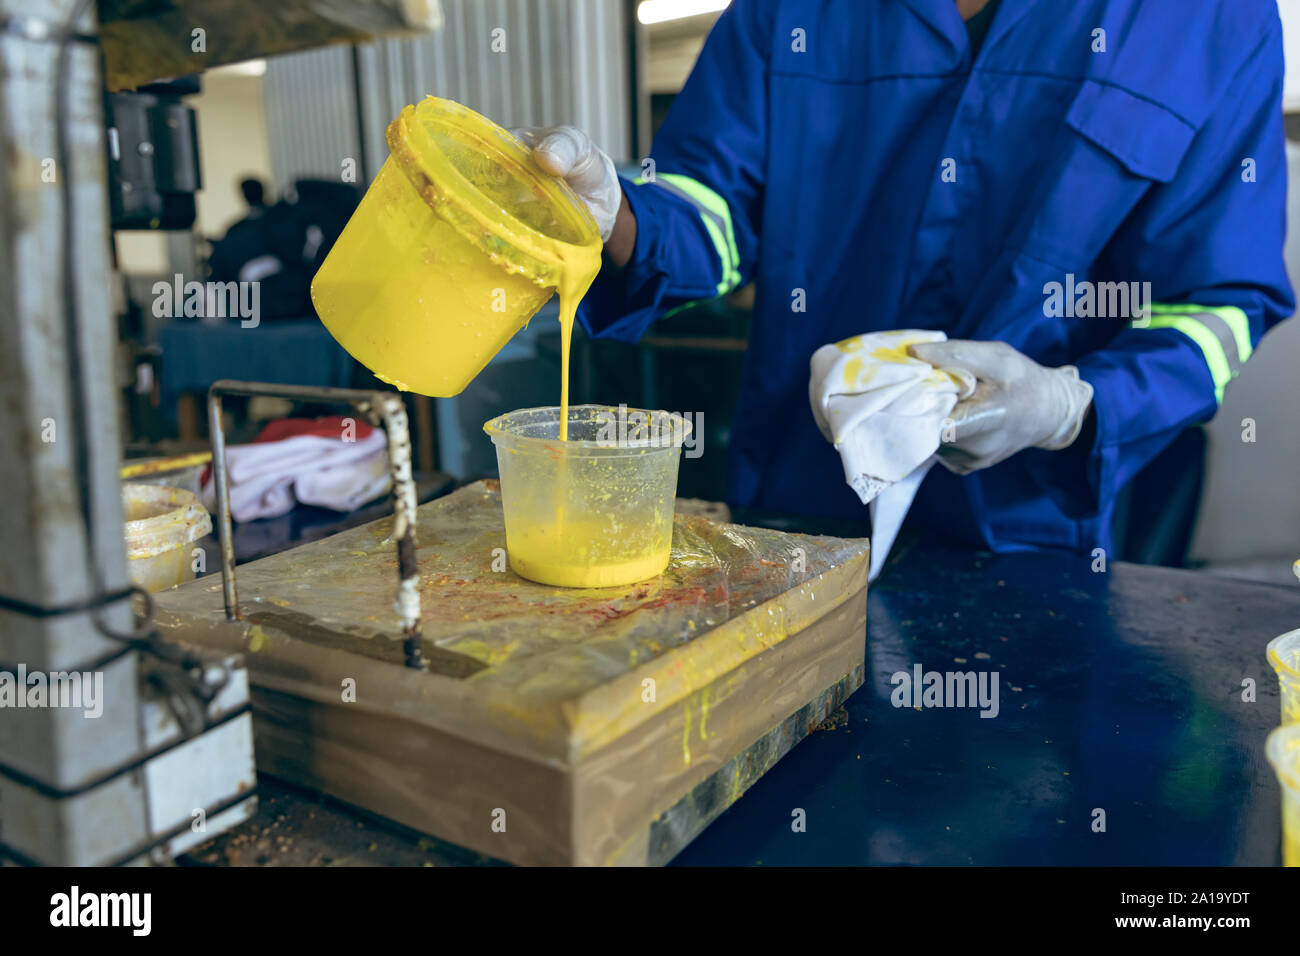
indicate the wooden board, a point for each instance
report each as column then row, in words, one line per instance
column 554, row 726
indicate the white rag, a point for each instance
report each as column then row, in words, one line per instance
column 884, row 411
column 267, row 477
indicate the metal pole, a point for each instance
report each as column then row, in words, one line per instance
column 221, row 479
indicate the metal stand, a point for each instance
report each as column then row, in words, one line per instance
column 378, row 408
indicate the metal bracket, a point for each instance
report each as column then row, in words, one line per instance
column 379, row 408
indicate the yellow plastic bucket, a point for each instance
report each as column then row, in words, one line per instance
column 162, row 525
column 457, row 243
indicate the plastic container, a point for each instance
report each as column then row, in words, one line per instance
column 1283, row 750
column 458, row 242
column 177, row 471
column 593, row 511
column 162, row 525
column 1284, row 654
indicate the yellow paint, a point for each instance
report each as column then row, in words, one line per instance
column 578, row 516
column 853, row 369
column 457, row 243
column 575, row 553
column 494, row 655
column 257, row 639
column 884, row 353
column 158, row 466
column 1283, row 751
column 579, row 271
column 686, row 733
column 897, row 353
column 858, row 373
column 611, row 710
column 704, row 714
column 735, row 783
column 1290, row 702
column 1284, row 655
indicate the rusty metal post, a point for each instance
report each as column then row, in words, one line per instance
column 379, row 408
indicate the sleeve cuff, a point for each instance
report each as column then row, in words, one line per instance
column 1073, row 476
column 623, row 303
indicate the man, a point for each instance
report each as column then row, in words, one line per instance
column 254, row 192
column 942, row 165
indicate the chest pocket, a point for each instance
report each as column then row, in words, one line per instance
column 1113, row 148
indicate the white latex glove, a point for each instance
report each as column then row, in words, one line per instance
column 568, row 152
column 1017, row 403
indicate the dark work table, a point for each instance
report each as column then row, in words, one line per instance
column 1119, row 691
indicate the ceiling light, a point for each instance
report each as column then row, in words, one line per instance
column 658, row 11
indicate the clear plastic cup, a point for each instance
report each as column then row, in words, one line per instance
column 593, row 511
column 1283, row 750
column 1284, row 654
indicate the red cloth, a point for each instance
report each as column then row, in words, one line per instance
column 331, row 426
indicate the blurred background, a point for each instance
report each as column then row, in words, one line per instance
column 286, row 144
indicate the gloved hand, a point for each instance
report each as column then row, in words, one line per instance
column 568, row 152
column 1017, row 403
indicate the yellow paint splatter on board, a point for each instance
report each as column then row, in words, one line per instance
column 686, row 734
column 257, row 639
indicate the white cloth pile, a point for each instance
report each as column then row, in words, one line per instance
column 329, row 463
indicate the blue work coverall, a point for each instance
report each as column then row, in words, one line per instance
column 851, row 159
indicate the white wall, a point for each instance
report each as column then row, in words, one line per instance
column 1251, row 506
column 232, row 145
column 1290, row 11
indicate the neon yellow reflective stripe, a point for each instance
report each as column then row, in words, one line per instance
column 1222, row 333
column 706, row 197
column 1235, row 320
column 1208, row 344
column 716, row 216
